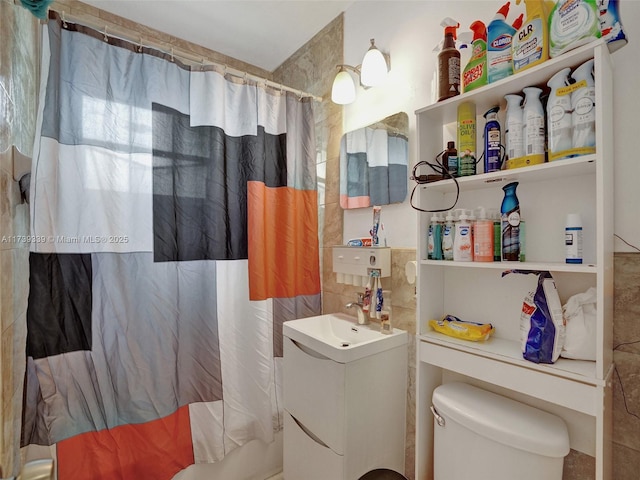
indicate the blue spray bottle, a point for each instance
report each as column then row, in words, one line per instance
column 510, row 219
column 492, row 141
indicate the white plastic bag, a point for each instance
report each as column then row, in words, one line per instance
column 580, row 331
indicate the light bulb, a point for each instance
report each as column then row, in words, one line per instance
column 374, row 67
column 343, row 90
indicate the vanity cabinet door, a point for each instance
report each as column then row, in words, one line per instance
column 314, row 393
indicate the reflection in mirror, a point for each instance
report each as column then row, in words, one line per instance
column 374, row 162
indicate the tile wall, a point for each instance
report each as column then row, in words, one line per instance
column 18, row 96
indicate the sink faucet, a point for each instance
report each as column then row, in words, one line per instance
column 363, row 319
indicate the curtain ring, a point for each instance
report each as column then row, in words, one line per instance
column 172, row 54
column 64, row 22
column 202, row 65
column 105, row 36
column 140, row 46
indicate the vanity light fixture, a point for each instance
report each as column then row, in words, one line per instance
column 372, row 72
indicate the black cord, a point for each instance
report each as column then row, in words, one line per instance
column 440, row 169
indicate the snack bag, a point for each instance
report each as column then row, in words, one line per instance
column 454, row 327
column 542, row 327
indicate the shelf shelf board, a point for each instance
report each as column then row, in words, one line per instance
column 569, row 167
column 484, row 97
column 532, row 266
column 508, row 351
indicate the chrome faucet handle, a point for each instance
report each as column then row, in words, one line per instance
column 360, row 297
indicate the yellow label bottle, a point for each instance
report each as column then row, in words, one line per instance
column 466, row 139
column 530, row 44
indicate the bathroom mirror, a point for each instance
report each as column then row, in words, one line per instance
column 374, row 163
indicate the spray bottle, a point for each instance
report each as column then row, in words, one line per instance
column 449, row 62
column 499, row 37
column 530, row 44
column 492, row 141
column 584, row 110
column 475, row 72
column 533, row 125
column 513, row 133
column 463, row 240
column 510, row 219
column 559, row 115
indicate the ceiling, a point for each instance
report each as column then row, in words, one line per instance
column 263, row 33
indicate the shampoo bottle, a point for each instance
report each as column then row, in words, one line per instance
column 449, row 63
column 466, row 139
column 533, row 125
column 584, row 110
column 475, row 72
column 530, row 44
column 559, row 115
column 463, row 240
column 482, row 237
column 499, row 37
column 448, row 234
column 513, row 133
column 510, row 220
column 492, row 141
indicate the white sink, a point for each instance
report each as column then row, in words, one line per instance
column 339, row 337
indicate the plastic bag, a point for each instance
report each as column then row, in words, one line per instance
column 580, row 326
column 454, row 327
column 541, row 323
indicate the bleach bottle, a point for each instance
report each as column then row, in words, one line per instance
column 492, row 141
column 559, row 115
column 463, row 240
column 499, row 37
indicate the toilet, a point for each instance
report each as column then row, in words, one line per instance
column 483, row 436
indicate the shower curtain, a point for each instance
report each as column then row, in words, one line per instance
column 174, row 224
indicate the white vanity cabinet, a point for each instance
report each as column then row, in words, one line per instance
column 343, row 419
column 578, row 391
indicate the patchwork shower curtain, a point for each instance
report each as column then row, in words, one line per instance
column 174, row 223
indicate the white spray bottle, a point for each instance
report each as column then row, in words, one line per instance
column 559, row 115
column 533, row 124
column 463, row 240
column 513, row 133
column 583, row 106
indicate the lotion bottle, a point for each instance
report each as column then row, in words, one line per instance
column 463, row 240
column 483, row 237
column 448, row 235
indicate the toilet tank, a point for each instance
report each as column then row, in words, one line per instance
column 483, row 436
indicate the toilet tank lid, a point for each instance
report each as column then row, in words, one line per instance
column 502, row 420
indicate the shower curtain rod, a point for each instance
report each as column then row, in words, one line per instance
column 190, row 58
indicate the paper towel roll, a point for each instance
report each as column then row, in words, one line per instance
column 410, row 271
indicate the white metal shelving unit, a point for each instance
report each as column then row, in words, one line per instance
column 578, row 391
